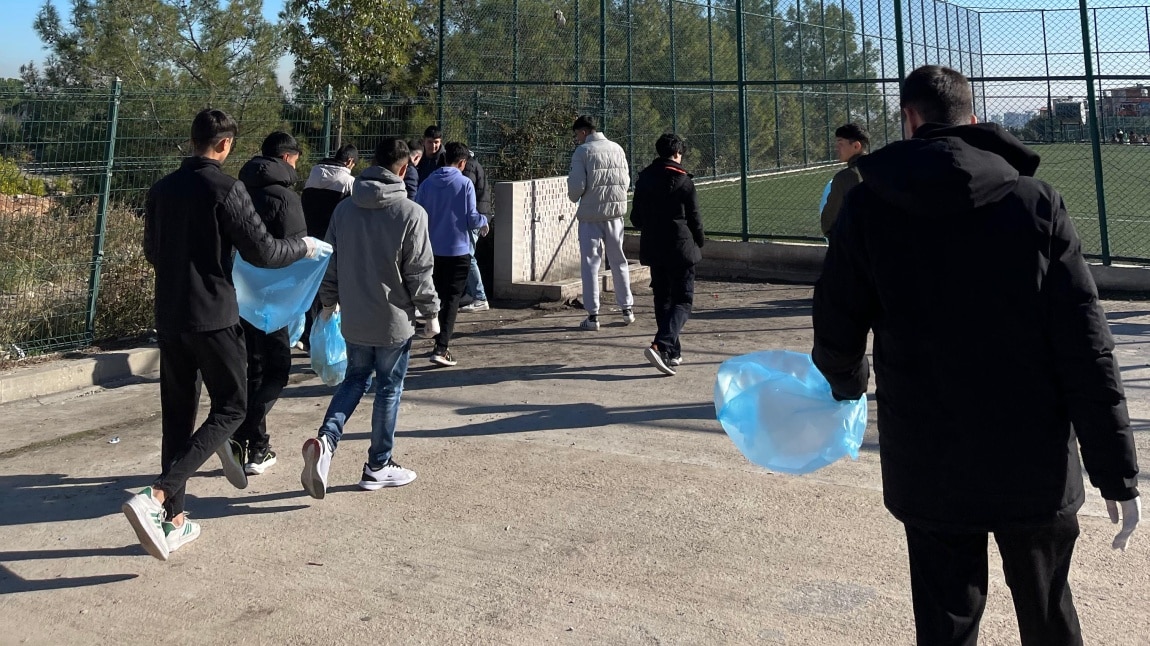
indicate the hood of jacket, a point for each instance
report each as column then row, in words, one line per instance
column 947, row 170
column 377, row 187
column 328, row 174
column 261, row 172
column 445, row 176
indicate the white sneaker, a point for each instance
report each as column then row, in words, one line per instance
column 146, row 515
column 316, row 463
column 232, row 458
column 590, row 325
column 675, row 362
column 177, row 537
column 475, row 306
column 389, row 475
column 628, row 316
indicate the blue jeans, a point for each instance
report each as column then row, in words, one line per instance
column 389, row 364
column 474, row 287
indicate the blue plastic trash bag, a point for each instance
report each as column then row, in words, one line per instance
column 778, row 410
column 295, row 332
column 270, row 299
column 328, row 349
column 826, row 195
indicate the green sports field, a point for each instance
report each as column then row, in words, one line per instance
column 786, row 204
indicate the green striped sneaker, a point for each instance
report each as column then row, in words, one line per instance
column 146, row 515
column 177, row 537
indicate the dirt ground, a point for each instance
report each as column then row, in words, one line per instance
column 567, row 494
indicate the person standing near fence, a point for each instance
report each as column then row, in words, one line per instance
column 449, row 199
column 598, row 182
column 992, row 353
column 851, row 143
column 380, row 278
column 269, row 178
column 328, row 183
column 411, row 175
column 433, row 153
column 193, row 219
column 665, row 209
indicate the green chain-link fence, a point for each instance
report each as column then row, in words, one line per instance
column 757, row 87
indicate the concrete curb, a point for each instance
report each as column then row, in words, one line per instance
column 803, row 263
column 73, row 374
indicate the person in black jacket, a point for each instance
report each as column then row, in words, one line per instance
column 992, row 354
column 327, row 185
column 269, row 179
column 665, row 209
column 411, row 175
column 193, row 221
column 851, row 143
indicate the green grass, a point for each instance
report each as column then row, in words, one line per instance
column 787, row 204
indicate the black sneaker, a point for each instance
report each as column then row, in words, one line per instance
column 259, row 460
column 443, row 358
column 231, row 455
column 660, row 360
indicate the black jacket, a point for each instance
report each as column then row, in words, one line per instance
column 411, row 181
column 665, row 209
column 269, row 181
column 472, row 171
column 327, row 185
column 841, row 184
column 989, row 340
column 193, row 219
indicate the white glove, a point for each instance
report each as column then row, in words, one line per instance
column 430, row 327
column 317, row 248
column 1131, row 514
column 329, row 311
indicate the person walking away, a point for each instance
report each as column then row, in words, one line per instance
column 665, row 209
column 269, row 179
column 328, row 183
column 193, row 219
column 971, row 275
column 851, row 143
column 449, row 199
column 474, row 290
column 380, row 278
column 598, row 182
column 411, row 175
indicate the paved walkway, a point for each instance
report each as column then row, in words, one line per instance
column 567, row 494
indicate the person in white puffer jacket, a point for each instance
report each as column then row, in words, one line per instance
column 598, row 182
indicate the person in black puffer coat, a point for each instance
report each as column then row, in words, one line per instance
column 666, row 211
column 195, row 219
column 992, row 357
column 269, row 179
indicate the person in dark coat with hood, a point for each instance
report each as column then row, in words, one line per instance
column 992, row 356
column 269, row 179
column 666, row 211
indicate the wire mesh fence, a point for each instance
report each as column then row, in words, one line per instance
column 756, row 87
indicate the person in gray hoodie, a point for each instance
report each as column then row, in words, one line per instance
column 380, row 279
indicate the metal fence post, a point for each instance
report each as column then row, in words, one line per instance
column 674, row 85
column 744, row 148
column 102, row 212
column 439, row 67
column 603, row 59
column 1095, row 136
column 327, row 103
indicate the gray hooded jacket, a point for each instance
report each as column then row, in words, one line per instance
column 380, row 271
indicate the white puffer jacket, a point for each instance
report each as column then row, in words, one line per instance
column 599, row 179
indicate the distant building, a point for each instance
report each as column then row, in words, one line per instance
column 1126, row 101
column 1017, row 119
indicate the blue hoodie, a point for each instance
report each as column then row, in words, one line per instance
column 449, row 199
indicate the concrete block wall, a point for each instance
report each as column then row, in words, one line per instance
column 537, row 239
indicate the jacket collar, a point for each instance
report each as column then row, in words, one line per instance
column 853, row 161
column 196, row 162
column 595, row 136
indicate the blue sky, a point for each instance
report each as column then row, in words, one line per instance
column 21, row 44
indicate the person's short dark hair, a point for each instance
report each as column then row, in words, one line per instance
column 939, row 95
column 278, row 144
column 415, row 146
column 854, row 132
column 585, row 122
column 391, row 152
column 210, row 126
column 346, row 153
column 433, row 132
column 456, row 152
column 670, row 144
